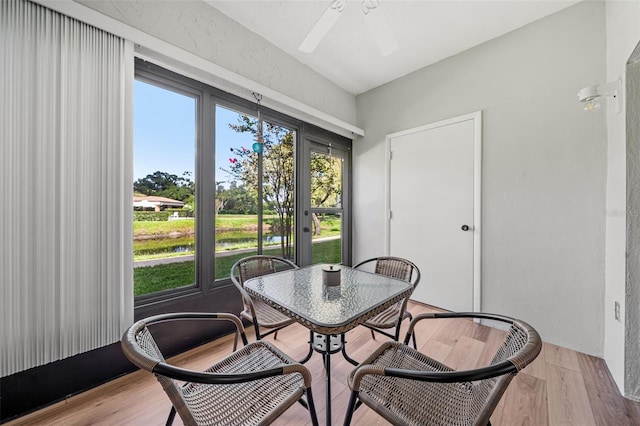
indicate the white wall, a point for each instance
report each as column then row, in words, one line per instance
column 200, row 29
column 544, row 162
column 623, row 34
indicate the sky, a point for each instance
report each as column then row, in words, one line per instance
column 164, row 133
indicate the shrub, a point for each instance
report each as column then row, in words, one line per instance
column 142, row 216
column 147, row 216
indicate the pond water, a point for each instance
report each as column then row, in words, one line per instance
column 230, row 242
column 266, row 239
column 186, row 243
column 183, row 249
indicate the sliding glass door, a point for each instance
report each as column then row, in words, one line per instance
column 325, row 216
column 255, row 187
column 218, row 178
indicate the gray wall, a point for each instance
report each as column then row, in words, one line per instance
column 544, row 163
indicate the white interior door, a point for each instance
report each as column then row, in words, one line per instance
column 433, row 200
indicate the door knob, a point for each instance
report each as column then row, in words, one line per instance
column 306, row 229
column 465, row 227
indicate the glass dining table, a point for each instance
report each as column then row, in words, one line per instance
column 328, row 311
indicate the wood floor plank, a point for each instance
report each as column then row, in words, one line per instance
column 451, row 330
column 496, row 417
column 525, row 402
column 480, row 331
column 464, row 355
column 562, row 357
column 608, row 405
column 493, row 340
column 436, row 350
column 538, row 368
column 568, row 400
column 426, row 328
column 560, row 388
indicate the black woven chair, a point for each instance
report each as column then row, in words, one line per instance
column 255, row 310
column 407, row 387
column 253, row 385
column 392, row 317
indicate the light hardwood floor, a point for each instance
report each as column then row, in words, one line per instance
column 561, row 387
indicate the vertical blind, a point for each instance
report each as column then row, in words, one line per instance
column 66, row 184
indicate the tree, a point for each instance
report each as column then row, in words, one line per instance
column 167, row 185
column 326, row 184
column 278, row 173
column 235, row 199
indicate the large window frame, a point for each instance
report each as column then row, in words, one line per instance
column 207, row 98
column 151, row 74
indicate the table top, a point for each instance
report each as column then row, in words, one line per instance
column 301, row 295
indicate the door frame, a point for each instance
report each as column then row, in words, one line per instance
column 319, row 141
column 476, row 117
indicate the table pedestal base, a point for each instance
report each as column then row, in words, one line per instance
column 319, row 343
column 336, row 343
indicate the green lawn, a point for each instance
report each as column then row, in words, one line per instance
column 328, row 223
column 153, row 240
column 144, row 228
column 151, row 279
column 223, row 222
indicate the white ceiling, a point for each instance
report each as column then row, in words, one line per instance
column 427, row 32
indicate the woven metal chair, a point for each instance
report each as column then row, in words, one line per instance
column 407, row 387
column 253, row 385
column 392, row 317
column 255, row 310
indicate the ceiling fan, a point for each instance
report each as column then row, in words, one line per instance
column 376, row 21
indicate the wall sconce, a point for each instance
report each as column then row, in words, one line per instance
column 591, row 96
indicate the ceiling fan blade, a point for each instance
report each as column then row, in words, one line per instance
column 381, row 30
column 322, row 27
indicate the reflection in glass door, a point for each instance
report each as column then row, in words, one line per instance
column 278, row 190
column 255, row 188
column 327, row 184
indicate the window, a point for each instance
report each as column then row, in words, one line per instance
column 205, row 197
column 255, row 192
column 164, row 199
